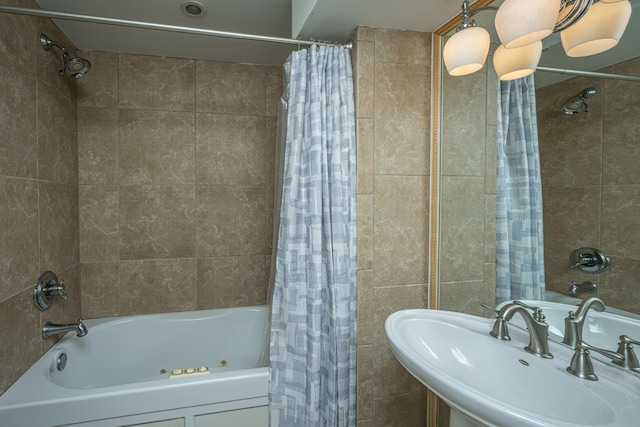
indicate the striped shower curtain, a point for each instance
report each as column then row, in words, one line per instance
column 519, row 236
column 313, row 324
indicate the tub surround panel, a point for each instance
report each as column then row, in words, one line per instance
column 190, row 188
column 38, row 186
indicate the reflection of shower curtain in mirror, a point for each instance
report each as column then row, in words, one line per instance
column 313, row 325
column 519, row 237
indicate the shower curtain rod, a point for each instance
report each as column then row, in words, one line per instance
column 162, row 27
column 589, row 74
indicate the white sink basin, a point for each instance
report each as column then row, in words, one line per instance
column 498, row 383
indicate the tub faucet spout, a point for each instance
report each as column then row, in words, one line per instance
column 574, row 322
column 50, row 329
column 538, row 330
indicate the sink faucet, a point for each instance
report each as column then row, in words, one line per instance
column 50, row 329
column 574, row 323
column 538, row 330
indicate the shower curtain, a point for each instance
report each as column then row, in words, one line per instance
column 313, row 323
column 519, row 237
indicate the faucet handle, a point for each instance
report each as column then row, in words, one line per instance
column 487, row 307
column 626, row 349
column 537, row 311
column 581, row 365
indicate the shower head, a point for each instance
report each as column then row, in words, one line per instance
column 74, row 66
column 576, row 104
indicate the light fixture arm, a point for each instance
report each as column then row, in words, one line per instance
column 466, row 15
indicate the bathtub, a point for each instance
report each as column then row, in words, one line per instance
column 195, row 369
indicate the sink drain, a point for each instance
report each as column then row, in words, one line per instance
column 222, row 364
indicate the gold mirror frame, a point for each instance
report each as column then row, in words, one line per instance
column 434, row 225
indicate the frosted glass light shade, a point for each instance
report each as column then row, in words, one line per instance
column 599, row 29
column 511, row 64
column 466, row 51
column 521, row 22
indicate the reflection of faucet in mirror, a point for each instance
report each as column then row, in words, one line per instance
column 582, row 287
column 574, row 322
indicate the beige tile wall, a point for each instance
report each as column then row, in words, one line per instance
column 392, row 71
column 468, row 191
column 591, row 183
column 38, row 188
column 176, row 183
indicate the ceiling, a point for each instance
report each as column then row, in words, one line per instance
column 327, row 20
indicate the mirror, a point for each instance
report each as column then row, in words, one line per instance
column 591, row 182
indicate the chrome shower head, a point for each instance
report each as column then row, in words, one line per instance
column 576, row 104
column 74, row 66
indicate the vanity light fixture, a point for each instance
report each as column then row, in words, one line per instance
column 586, row 27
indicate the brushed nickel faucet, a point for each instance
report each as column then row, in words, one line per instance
column 538, row 330
column 50, row 329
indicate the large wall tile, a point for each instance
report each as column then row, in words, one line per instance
column 18, row 140
column 100, row 289
column 156, row 83
column 365, row 79
column 98, row 146
column 99, row 87
column 19, row 224
column 620, row 216
column 59, row 247
column 19, row 334
column 231, row 221
column 390, row 377
column 462, row 229
column 364, row 162
column 231, row 149
column 219, row 279
column 401, row 119
column 99, row 223
column 156, row 147
column 230, row 88
column 157, row 286
column 401, row 217
column 157, row 222
column 463, row 136
column 403, row 47
column 365, row 382
column 402, row 410
column 566, row 152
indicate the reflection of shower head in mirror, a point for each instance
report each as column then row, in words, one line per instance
column 576, row 104
column 74, row 66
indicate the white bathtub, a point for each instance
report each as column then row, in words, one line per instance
column 120, row 373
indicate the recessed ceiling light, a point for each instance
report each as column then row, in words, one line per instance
column 193, row 9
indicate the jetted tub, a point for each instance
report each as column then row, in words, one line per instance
column 198, row 368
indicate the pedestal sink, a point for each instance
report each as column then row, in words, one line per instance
column 497, row 383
